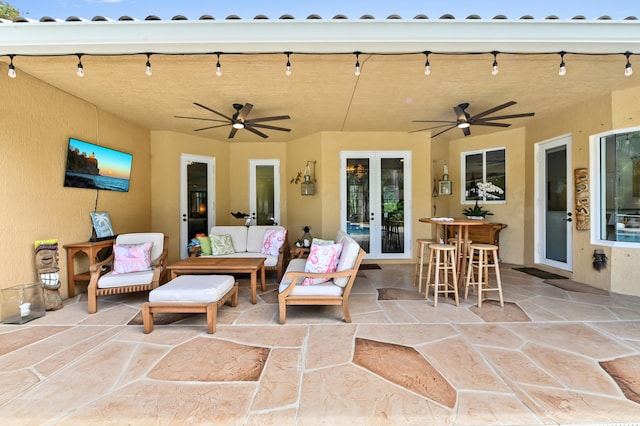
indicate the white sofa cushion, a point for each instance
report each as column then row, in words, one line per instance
column 157, row 238
column 255, row 237
column 193, row 288
column 325, row 289
column 268, row 260
column 238, row 235
column 111, row 280
column 350, row 250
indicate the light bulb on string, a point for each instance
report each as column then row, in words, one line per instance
column 357, row 72
column 288, row 66
column 148, row 71
column 12, row 69
column 494, row 70
column 427, row 65
column 80, row 70
column 563, row 68
column 628, row 70
column 218, row 66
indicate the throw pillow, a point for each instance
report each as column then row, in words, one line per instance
column 131, row 258
column 322, row 259
column 321, row 242
column 205, row 245
column 273, row 240
column 221, row 244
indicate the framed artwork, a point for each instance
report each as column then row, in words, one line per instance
column 102, row 224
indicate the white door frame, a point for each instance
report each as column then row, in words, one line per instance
column 375, row 250
column 185, row 160
column 276, row 185
column 540, row 225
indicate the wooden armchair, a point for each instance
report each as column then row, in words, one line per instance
column 291, row 292
column 104, row 281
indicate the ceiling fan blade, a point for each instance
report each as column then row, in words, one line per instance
column 212, row 127
column 200, row 118
column 506, row 117
column 233, row 132
column 278, row 117
column 213, row 111
column 494, row 109
column 433, row 127
column 489, row 123
column 460, row 114
column 266, row 126
column 466, row 131
column 435, row 121
column 445, row 130
column 244, row 112
column 257, row 132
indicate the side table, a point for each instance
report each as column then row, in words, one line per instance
column 299, row 252
column 91, row 249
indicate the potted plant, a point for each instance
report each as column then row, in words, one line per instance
column 476, row 212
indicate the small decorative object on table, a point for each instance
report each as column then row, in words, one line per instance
column 306, row 238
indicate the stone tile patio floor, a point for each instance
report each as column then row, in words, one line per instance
column 550, row 356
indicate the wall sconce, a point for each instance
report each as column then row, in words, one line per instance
column 444, row 186
column 308, row 186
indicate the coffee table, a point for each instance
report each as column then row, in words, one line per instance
column 212, row 265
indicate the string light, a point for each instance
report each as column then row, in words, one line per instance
column 494, row 70
column 357, row 64
column 148, row 71
column 288, row 68
column 563, row 68
column 427, row 66
column 218, row 66
column 80, row 70
column 627, row 68
column 12, row 69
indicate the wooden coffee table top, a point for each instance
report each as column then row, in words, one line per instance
column 211, row 263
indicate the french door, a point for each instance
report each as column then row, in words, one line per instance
column 376, row 205
column 197, row 198
column 264, row 192
column 554, row 201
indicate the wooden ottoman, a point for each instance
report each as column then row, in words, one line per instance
column 191, row 294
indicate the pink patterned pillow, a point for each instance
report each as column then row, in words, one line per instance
column 273, row 240
column 322, row 259
column 132, row 258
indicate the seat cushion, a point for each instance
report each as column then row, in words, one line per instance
column 193, row 288
column 111, row 280
column 327, row 288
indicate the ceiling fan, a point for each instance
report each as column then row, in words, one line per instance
column 464, row 120
column 239, row 120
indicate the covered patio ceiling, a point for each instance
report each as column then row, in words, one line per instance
column 323, row 93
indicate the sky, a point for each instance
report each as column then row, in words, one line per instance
column 248, row 9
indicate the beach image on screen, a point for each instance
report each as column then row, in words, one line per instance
column 96, row 167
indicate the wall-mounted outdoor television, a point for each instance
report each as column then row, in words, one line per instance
column 96, row 167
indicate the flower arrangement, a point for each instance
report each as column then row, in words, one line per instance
column 478, row 211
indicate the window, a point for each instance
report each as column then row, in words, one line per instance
column 619, row 187
column 484, row 176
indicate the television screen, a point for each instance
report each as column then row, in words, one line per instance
column 96, row 167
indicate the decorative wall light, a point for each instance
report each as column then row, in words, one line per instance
column 308, row 186
column 445, row 187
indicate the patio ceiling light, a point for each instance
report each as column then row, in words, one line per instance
column 218, row 66
column 427, row 65
column 148, row 71
column 12, row 69
column 494, row 70
column 627, row 68
column 357, row 64
column 80, row 70
column 563, row 68
column 287, row 70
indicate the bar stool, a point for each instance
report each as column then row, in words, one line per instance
column 481, row 258
column 442, row 260
column 417, row 273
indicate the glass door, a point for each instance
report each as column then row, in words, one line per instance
column 264, row 192
column 554, row 219
column 374, row 208
column 196, row 198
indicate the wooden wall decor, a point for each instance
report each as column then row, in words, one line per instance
column 582, row 202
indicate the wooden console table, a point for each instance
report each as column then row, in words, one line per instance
column 89, row 248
